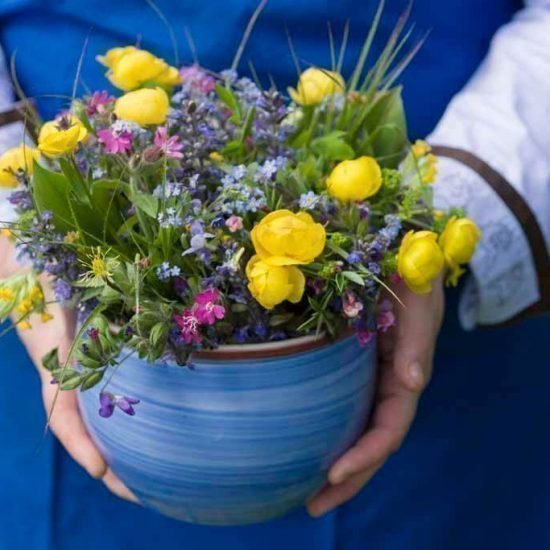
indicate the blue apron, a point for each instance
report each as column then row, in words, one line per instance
column 473, row 472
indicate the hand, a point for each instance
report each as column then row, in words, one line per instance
column 65, row 422
column 406, row 355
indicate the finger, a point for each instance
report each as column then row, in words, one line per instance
column 332, row 496
column 67, row 425
column 417, row 327
column 392, row 419
column 117, row 487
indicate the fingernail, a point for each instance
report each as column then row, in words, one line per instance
column 416, row 376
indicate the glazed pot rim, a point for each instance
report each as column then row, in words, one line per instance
column 267, row 350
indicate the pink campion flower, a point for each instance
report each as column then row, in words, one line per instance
column 395, row 278
column 97, row 103
column 170, row 146
column 206, row 307
column 385, row 318
column 351, row 305
column 115, row 142
column 234, row 223
column 364, row 336
column 189, row 326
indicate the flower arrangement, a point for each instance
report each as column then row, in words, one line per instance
column 198, row 209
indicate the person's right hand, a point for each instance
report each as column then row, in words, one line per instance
column 65, row 420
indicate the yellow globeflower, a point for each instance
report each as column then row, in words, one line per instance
column 144, row 107
column 272, row 284
column 420, row 260
column 131, row 68
column 62, row 136
column 315, row 84
column 285, row 238
column 17, row 159
column 459, row 240
column 355, row 180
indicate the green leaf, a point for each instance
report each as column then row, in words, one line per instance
column 354, row 277
column 51, row 192
column 386, row 127
column 333, row 146
column 228, row 97
column 50, row 361
column 91, row 379
column 146, row 203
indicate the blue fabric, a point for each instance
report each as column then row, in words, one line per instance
column 474, row 469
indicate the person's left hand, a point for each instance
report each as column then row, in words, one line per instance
column 406, row 355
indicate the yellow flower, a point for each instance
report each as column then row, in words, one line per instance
column 35, row 294
column 6, row 294
column 100, row 267
column 216, row 157
column 5, row 232
column 71, row 237
column 315, row 84
column 285, row 238
column 459, row 240
column 24, row 325
column 146, row 106
column 131, row 68
column 355, row 180
column 17, row 159
column 62, row 136
column 420, row 148
column 272, row 284
column 420, row 260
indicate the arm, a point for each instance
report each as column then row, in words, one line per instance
column 502, row 117
column 66, row 422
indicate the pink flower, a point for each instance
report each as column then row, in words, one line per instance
column 386, row 317
column 364, row 336
column 198, row 79
column 170, row 146
column 351, row 305
column 206, row 307
column 189, row 327
column 234, row 223
column 98, row 102
column 115, row 142
column 395, row 278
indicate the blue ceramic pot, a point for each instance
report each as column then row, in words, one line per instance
column 245, row 437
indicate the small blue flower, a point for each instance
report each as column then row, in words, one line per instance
column 108, row 402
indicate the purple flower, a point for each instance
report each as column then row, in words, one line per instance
column 98, row 102
column 197, row 79
column 115, row 142
column 63, row 290
column 206, row 308
column 189, row 327
column 385, row 318
column 93, row 333
column 170, row 146
column 108, row 402
column 364, row 336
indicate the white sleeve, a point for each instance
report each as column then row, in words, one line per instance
column 11, row 133
column 494, row 148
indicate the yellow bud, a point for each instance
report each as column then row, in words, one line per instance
column 131, row 68
column 6, row 294
column 272, row 284
column 420, row 260
column 355, row 180
column 5, row 232
column 24, row 325
column 17, row 160
column 61, row 137
column 71, row 237
column 45, row 317
column 144, row 107
column 420, row 148
column 285, row 238
column 25, row 306
column 459, row 240
column 315, row 84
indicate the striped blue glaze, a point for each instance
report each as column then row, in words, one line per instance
column 235, row 441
